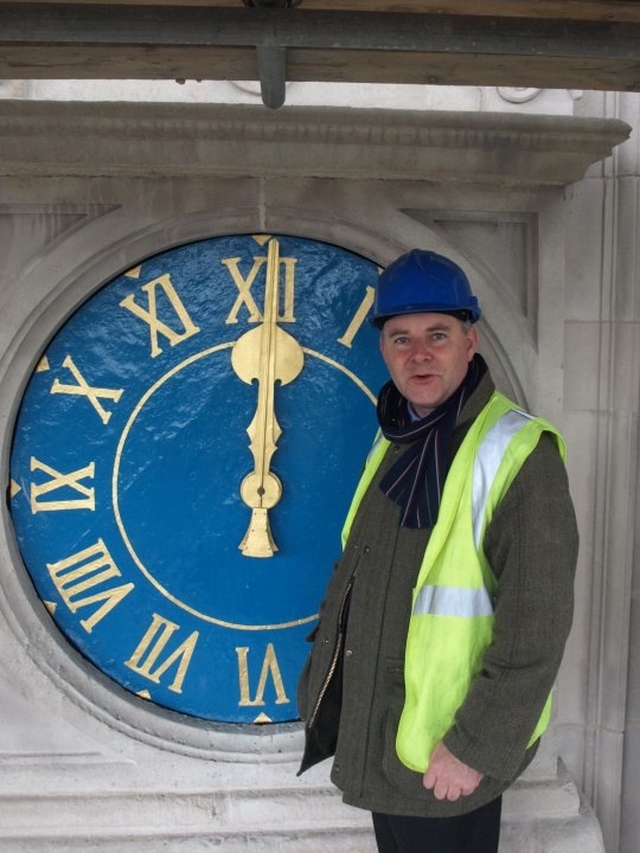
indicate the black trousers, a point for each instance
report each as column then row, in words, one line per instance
column 475, row 832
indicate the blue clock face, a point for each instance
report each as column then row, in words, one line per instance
column 183, row 460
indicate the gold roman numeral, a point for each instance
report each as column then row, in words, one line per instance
column 358, row 318
column 152, row 657
column 83, row 580
column 270, row 667
column 94, row 395
column 150, row 314
column 59, row 481
column 245, row 296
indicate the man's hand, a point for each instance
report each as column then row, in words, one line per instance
column 448, row 777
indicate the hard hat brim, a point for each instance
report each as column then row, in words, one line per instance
column 472, row 314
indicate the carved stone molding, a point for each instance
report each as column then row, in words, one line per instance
column 522, row 94
column 41, row 138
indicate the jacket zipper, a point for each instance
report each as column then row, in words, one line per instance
column 336, row 653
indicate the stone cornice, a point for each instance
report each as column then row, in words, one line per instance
column 150, row 139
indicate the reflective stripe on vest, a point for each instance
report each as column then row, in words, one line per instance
column 485, row 467
column 453, row 601
column 461, row 601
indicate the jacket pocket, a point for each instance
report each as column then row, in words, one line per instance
column 399, row 776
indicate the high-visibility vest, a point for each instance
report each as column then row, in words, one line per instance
column 451, row 623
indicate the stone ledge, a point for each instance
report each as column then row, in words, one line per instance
column 330, row 826
column 342, row 839
column 230, row 812
column 165, row 140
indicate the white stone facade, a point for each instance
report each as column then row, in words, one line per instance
column 537, row 195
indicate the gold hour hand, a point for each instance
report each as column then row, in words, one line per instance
column 266, row 354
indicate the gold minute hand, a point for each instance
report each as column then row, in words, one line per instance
column 267, row 354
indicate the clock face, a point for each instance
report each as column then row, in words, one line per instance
column 182, row 464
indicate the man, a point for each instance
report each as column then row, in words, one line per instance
column 446, row 617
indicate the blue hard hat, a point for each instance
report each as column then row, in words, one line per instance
column 423, row 281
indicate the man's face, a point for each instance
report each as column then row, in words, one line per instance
column 427, row 356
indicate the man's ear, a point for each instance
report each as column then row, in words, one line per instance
column 472, row 338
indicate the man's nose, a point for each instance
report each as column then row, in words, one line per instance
column 421, row 351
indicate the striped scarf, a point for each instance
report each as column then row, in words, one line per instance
column 416, row 480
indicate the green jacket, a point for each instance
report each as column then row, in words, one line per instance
column 531, row 544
